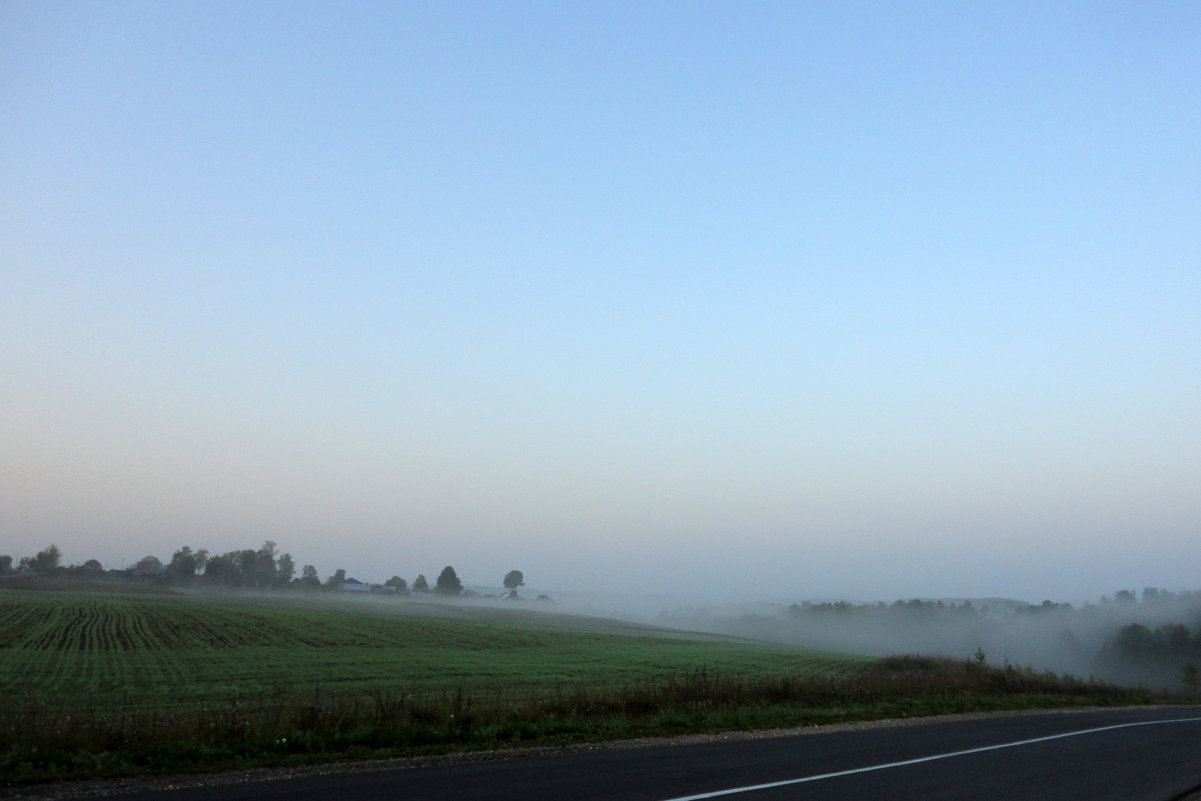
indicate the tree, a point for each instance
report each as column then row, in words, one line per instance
column 239, row 568
column 1190, row 679
column 448, row 582
column 149, row 567
column 285, row 568
column 1177, row 638
column 6, row 564
column 185, row 563
column 336, row 581
column 224, row 569
column 258, row 567
column 421, row 585
column 1136, row 641
column 513, row 580
column 46, row 560
column 308, row 578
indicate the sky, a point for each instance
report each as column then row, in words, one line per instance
column 752, row 299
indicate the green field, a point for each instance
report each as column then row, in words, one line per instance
column 112, row 684
column 177, row 649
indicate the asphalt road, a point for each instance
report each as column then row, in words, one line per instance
column 1155, row 762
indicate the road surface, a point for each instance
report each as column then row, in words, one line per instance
column 1096, row 755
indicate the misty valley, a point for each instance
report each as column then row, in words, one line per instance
column 1152, row 639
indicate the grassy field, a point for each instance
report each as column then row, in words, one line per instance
column 180, row 650
column 102, row 684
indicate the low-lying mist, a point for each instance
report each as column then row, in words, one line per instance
column 1123, row 639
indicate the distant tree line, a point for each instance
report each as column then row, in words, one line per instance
column 44, row 562
column 264, row 568
column 1172, row 642
column 912, row 608
column 917, row 607
column 1149, row 637
column 1164, row 653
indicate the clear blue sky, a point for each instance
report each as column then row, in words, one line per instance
column 791, row 299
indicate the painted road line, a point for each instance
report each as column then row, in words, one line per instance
column 750, row 788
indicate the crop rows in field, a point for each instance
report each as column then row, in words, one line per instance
column 71, row 623
column 105, row 650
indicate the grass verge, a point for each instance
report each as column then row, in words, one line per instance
column 49, row 742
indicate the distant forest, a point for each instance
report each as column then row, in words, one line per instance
column 1151, row 639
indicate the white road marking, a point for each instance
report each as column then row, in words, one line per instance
column 752, row 787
